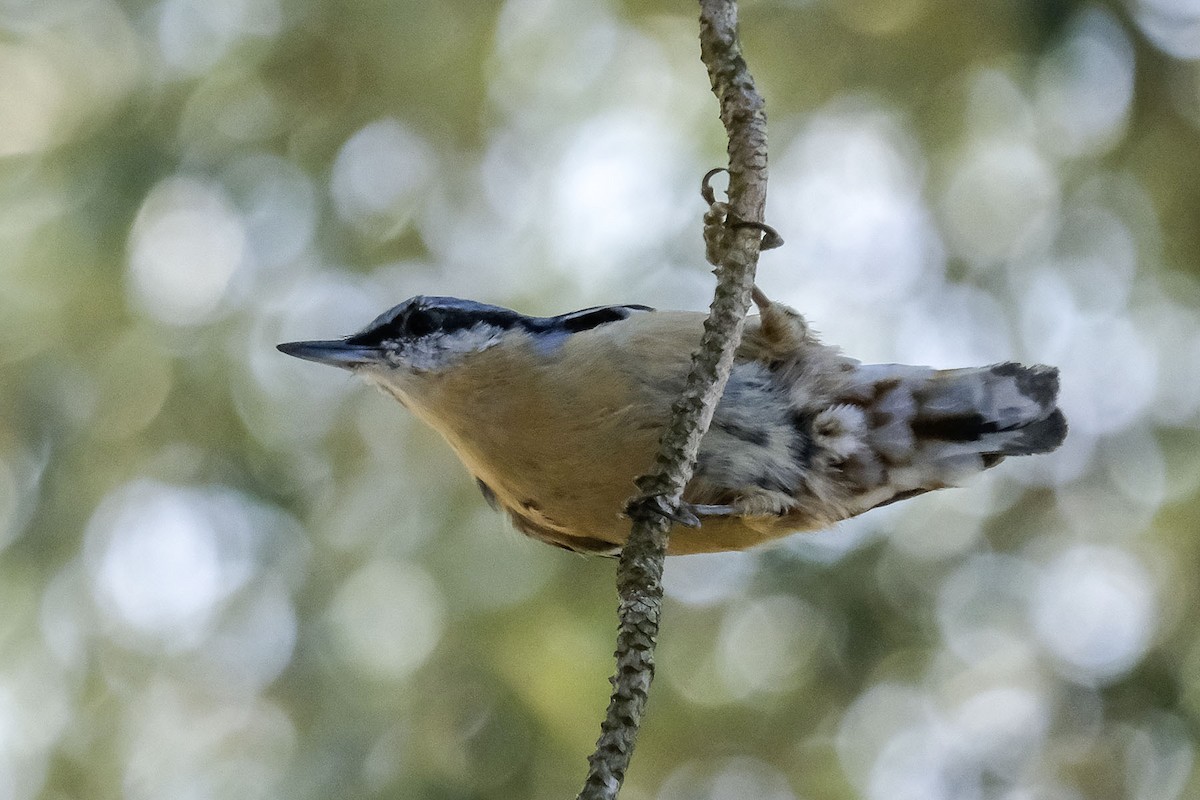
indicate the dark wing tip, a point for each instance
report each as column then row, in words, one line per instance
column 588, row 318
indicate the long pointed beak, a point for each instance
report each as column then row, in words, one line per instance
column 334, row 352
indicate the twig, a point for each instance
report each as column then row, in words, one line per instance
column 639, row 574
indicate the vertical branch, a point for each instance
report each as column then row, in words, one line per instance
column 743, row 116
column 639, row 574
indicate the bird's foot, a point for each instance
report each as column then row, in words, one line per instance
column 752, row 504
column 661, row 506
column 719, row 220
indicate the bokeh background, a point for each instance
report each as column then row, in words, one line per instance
column 229, row 574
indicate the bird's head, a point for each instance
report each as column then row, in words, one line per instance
column 424, row 337
column 421, row 335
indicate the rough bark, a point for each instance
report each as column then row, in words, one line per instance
column 639, row 574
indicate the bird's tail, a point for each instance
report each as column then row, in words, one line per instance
column 1005, row 409
column 933, row 428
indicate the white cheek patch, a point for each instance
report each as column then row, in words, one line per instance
column 440, row 350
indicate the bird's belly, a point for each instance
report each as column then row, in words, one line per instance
column 568, row 483
column 562, row 462
column 580, row 505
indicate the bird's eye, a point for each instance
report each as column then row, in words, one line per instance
column 419, row 322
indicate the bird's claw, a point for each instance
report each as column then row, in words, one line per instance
column 771, row 238
column 706, row 190
column 718, row 217
column 659, row 505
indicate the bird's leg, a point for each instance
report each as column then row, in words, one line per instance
column 760, row 299
column 751, row 503
column 783, row 328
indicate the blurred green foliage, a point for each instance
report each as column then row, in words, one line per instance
column 227, row 574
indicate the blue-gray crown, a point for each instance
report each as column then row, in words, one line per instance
column 421, row 316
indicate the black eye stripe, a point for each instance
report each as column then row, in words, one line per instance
column 418, row 322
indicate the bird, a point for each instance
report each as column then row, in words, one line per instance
column 555, row 417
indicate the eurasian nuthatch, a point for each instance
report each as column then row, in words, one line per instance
column 555, row 417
